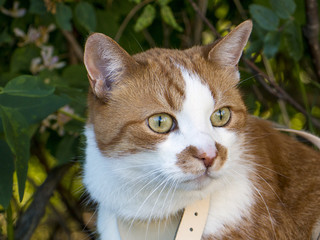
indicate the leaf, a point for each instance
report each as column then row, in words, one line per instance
column 271, row 44
column 63, row 16
column 28, row 86
column 16, row 132
column 146, row 18
column 163, row 2
column 86, row 16
column 5, row 37
column 167, row 16
column 66, row 149
column 293, row 39
column 6, row 174
column 33, row 109
column 37, row 7
column 2, row 2
column 21, row 58
column 264, row 16
column 283, row 8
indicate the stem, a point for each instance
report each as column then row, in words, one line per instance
column 10, row 230
column 304, row 98
column 73, row 116
column 128, row 18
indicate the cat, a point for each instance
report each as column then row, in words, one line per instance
column 167, row 128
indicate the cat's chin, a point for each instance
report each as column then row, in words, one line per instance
column 197, row 182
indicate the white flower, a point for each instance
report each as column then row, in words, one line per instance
column 39, row 36
column 46, row 61
column 15, row 12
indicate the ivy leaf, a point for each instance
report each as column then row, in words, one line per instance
column 264, row 16
column 283, row 8
column 6, row 174
column 271, row 44
column 37, row 7
column 21, row 58
column 293, row 38
column 63, row 16
column 16, row 132
column 167, row 16
column 28, row 86
column 86, row 16
column 146, row 18
column 66, row 149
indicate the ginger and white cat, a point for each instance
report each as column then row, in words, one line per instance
column 169, row 127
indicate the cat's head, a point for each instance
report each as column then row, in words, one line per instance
column 167, row 114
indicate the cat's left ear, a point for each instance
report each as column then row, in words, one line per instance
column 227, row 51
column 106, row 63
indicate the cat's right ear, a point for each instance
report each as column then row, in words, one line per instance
column 106, row 62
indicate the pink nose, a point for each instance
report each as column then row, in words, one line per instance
column 207, row 160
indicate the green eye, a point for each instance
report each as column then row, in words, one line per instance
column 220, row 117
column 160, row 123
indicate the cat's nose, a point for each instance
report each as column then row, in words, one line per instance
column 207, row 159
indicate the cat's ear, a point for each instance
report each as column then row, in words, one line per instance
column 106, row 62
column 227, row 51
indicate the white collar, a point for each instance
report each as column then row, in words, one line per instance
column 190, row 227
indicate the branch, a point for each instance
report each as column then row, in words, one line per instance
column 311, row 31
column 30, row 219
column 203, row 17
column 198, row 23
column 74, row 44
column 128, row 18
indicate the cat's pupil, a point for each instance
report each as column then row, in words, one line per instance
column 159, row 121
column 220, row 114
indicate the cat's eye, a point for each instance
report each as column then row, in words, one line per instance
column 220, row 117
column 161, row 123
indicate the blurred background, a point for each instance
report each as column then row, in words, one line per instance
column 43, row 87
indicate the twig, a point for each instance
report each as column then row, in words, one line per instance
column 30, row 219
column 311, row 31
column 277, row 91
column 240, row 9
column 203, row 17
column 128, row 18
column 74, row 44
column 198, row 23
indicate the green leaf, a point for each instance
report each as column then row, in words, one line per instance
column 28, row 86
column 5, row 37
column 2, row 2
column 271, row 44
column 33, row 109
column 6, row 174
column 167, row 16
column 16, row 132
column 293, row 39
column 283, row 8
column 264, row 16
column 66, row 149
column 21, row 58
column 86, row 16
column 63, row 16
column 163, row 2
column 146, row 18
column 37, row 7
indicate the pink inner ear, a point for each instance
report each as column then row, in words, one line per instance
column 105, row 61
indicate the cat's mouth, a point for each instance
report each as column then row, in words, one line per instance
column 199, row 181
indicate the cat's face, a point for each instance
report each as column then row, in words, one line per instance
column 167, row 114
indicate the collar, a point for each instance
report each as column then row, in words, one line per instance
column 190, row 226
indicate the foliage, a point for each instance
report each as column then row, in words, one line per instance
column 43, row 83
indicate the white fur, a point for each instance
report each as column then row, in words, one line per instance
column 149, row 185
